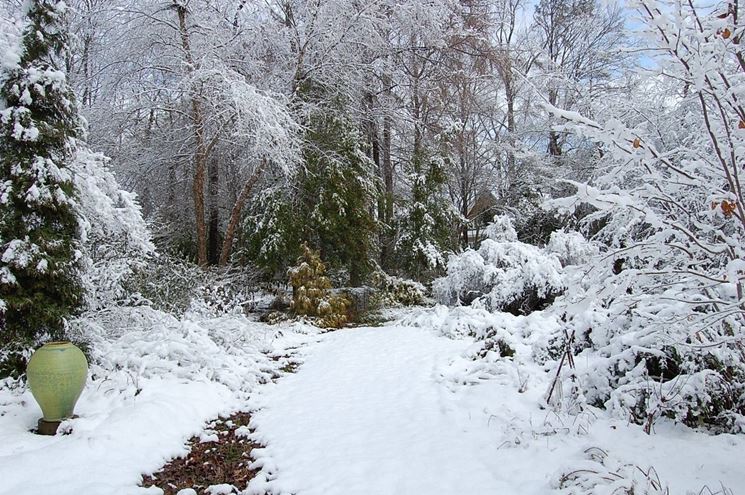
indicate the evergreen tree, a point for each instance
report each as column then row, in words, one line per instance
column 39, row 229
column 271, row 230
column 426, row 229
column 338, row 186
column 329, row 203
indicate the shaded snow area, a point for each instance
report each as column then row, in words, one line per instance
column 407, row 409
column 155, row 381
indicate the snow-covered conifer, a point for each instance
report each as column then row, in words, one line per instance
column 40, row 281
column 426, row 228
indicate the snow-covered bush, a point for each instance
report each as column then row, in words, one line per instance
column 662, row 314
column 129, row 344
column 167, row 283
column 395, row 291
column 231, row 292
column 638, row 357
column 571, row 247
column 454, row 322
column 171, row 284
column 116, row 240
column 601, row 474
column 535, row 225
column 503, row 274
column 501, row 229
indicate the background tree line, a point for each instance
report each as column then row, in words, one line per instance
column 383, row 133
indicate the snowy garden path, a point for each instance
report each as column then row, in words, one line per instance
column 383, row 411
column 367, row 414
column 395, row 410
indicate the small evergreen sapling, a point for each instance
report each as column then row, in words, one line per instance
column 39, row 230
column 311, row 291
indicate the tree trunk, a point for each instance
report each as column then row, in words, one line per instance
column 197, row 191
column 213, row 231
column 464, row 196
column 235, row 214
column 87, row 97
column 386, row 238
column 554, row 146
column 200, row 153
column 387, row 169
column 509, row 93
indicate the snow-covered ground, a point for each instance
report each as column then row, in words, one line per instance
column 155, row 383
column 394, row 410
column 115, row 439
column 398, row 409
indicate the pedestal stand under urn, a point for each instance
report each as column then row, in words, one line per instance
column 56, row 375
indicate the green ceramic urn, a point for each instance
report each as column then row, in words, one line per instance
column 56, row 374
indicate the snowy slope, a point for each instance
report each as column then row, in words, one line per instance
column 111, row 444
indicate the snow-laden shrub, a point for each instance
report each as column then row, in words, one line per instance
column 536, row 227
column 601, row 474
column 501, row 229
column 395, row 291
column 571, row 247
column 167, row 283
column 457, row 322
column 663, row 313
column 503, row 274
column 500, row 350
column 171, row 284
column 116, row 240
column 641, row 356
column 130, row 344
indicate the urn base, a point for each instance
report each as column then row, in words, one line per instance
column 45, row 427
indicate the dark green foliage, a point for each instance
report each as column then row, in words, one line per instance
column 394, row 291
column 661, row 367
column 494, row 341
column 339, row 187
column 530, row 300
column 498, row 345
column 426, row 229
column 39, row 232
column 724, row 398
column 14, row 357
column 537, row 228
column 271, row 232
column 329, row 203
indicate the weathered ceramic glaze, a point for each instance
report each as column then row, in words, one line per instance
column 56, row 375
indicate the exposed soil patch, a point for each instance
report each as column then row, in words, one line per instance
column 221, row 454
column 225, row 460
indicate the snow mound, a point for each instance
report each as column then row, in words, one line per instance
column 503, row 274
column 601, row 474
column 571, row 247
column 144, row 343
